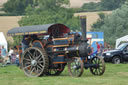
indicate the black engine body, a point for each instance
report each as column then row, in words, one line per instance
column 72, row 46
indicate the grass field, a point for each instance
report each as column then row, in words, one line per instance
column 114, row 75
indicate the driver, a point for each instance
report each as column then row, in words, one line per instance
column 25, row 42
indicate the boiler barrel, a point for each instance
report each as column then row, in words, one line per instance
column 79, row 50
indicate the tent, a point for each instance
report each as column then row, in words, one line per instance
column 3, row 41
column 122, row 39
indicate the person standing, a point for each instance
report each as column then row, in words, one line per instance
column 10, row 54
column 101, row 49
column 98, row 48
column 3, row 52
column 3, row 55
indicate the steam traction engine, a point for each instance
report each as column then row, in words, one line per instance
column 56, row 48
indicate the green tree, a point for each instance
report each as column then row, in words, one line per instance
column 50, row 11
column 99, row 22
column 114, row 25
column 17, row 40
column 17, row 7
column 52, row 4
column 104, row 5
column 90, row 7
column 111, row 4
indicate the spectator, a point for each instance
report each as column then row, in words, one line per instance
column 101, row 49
column 94, row 53
column 3, row 55
column 108, row 47
column 10, row 54
column 16, row 57
column 3, row 52
column 98, row 48
column 89, row 49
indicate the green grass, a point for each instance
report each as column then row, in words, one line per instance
column 114, row 75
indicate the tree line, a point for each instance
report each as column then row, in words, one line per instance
column 104, row 5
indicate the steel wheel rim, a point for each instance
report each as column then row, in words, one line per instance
column 99, row 70
column 75, row 67
column 33, row 62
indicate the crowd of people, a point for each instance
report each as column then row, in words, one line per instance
column 100, row 48
column 11, row 57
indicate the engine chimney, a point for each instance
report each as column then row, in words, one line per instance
column 83, row 27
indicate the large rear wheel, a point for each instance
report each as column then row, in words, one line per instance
column 34, row 62
column 99, row 67
column 75, row 67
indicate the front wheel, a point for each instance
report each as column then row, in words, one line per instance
column 75, row 67
column 99, row 66
column 116, row 60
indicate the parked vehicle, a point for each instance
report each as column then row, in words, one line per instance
column 49, row 55
column 118, row 55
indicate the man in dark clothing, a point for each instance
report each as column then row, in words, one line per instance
column 101, row 49
column 34, row 37
column 25, row 42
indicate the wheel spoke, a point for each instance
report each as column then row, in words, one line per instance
column 26, row 59
column 38, row 57
column 31, row 67
column 37, row 71
column 27, row 66
column 39, row 67
column 99, row 61
column 95, row 61
column 39, row 62
column 99, row 70
column 35, row 54
column 30, row 55
column 96, row 71
column 32, row 70
column 28, row 63
column 55, row 70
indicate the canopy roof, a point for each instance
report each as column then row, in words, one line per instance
column 38, row 29
column 119, row 40
column 3, row 41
